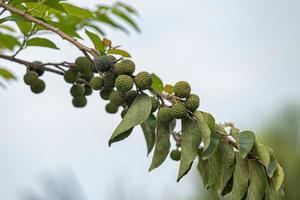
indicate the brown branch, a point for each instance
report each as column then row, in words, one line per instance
column 63, row 35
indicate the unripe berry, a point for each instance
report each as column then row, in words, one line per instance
column 105, row 93
column 83, row 65
column 79, row 102
column 109, row 79
column 143, row 80
column 97, row 83
column 117, row 98
column 39, row 70
column 155, row 104
column 87, row 90
column 77, row 90
column 192, row 102
column 111, row 108
column 182, row 89
column 71, row 75
column 175, row 155
column 179, row 110
column 30, row 77
column 130, row 97
column 124, row 112
column 125, row 67
column 124, row 83
column 164, row 115
column 104, row 63
column 38, row 86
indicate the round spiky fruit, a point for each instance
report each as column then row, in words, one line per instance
column 39, row 70
column 79, row 102
column 117, row 98
column 38, row 86
column 104, row 63
column 30, row 77
column 125, row 67
column 70, row 76
column 175, row 155
column 87, row 90
column 124, row 83
column 192, row 102
column 164, row 115
column 124, row 112
column 179, row 110
column 182, row 89
column 109, row 79
column 143, row 80
column 77, row 90
column 97, row 83
column 83, row 65
column 155, row 104
column 105, row 93
column 111, row 108
column 130, row 97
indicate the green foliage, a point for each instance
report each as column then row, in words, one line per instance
column 124, row 83
column 245, row 141
column 41, row 42
column 182, row 89
column 143, row 80
column 125, row 66
column 157, row 83
column 148, row 128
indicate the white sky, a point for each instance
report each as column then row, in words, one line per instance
column 242, row 57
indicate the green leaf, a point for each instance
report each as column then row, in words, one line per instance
column 278, row 177
column 162, row 145
column 245, row 142
column 190, row 142
column 271, row 193
column 148, row 128
column 8, row 41
column 213, row 145
column 215, row 170
column 240, row 178
column 262, row 152
column 24, row 25
column 234, row 132
column 6, row 27
column 258, row 181
column 203, row 168
column 138, row 112
column 77, row 11
column 126, row 18
column 127, row 8
column 119, row 52
column 157, row 83
column 41, row 42
column 273, row 164
column 210, row 120
column 98, row 44
column 4, row 73
column 56, row 5
column 205, row 130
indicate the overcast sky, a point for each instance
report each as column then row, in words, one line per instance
column 241, row 57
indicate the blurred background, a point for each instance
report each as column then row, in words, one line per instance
column 242, row 57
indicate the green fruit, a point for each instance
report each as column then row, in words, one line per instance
column 30, row 77
column 87, row 90
column 124, row 112
column 164, row 115
column 109, row 79
column 79, row 102
column 38, row 69
column 38, row 86
column 124, row 83
column 88, row 75
column 97, row 83
column 155, row 104
column 105, row 93
column 111, row 108
column 192, row 102
column 130, row 97
column 143, row 80
column 179, row 110
column 104, row 63
column 182, row 89
column 175, row 155
column 125, row 67
column 117, row 98
column 77, row 90
column 83, row 65
column 70, row 76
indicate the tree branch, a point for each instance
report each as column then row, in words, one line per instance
column 63, row 35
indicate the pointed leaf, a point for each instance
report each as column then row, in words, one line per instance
column 126, row 18
column 138, row 112
column 258, row 181
column 4, row 73
column 41, row 42
column 261, row 151
column 215, row 170
column 278, row 177
column 98, row 44
column 119, row 52
column 212, row 147
column 204, row 128
column 190, row 142
column 273, row 164
column 77, row 11
column 271, row 193
column 162, row 145
column 157, row 83
column 245, row 142
column 240, row 178
column 203, row 169
column 148, row 128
